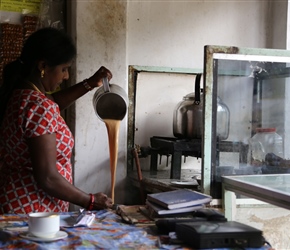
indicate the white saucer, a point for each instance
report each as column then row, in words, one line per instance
column 59, row 235
column 185, row 183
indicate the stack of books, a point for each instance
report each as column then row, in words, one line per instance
column 176, row 202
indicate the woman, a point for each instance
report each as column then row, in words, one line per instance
column 35, row 142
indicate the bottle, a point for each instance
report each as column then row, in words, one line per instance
column 265, row 141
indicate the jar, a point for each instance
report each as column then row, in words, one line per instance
column 265, row 141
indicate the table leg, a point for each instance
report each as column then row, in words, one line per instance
column 175, row 171
column 229, row 204
column 153, row 162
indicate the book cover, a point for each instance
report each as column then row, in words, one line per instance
column 179, row 198
column 162, row 211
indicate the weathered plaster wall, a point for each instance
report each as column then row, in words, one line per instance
column 101, row 40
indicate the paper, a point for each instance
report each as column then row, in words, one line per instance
column 82, row 220
column 31, row 6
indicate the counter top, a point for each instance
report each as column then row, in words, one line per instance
column 107, row 232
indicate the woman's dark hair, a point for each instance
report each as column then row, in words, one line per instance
column 48, row 44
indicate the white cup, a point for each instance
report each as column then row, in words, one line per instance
column 43, row 224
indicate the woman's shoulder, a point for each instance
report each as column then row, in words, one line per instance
column 30, row 97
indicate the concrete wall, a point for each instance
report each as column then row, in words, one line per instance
column 174, row 33
column 101, row 40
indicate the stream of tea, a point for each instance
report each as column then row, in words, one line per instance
column 113, row 136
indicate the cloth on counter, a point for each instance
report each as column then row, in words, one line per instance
column 106, row 232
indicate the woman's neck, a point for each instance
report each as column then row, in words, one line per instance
column 32, row 85
column 35, row 84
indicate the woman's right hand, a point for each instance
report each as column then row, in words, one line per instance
column 96, row 79
column 102, row 201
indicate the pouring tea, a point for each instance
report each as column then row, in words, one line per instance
column 110, row 103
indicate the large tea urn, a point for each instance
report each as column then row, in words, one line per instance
column 188, row 116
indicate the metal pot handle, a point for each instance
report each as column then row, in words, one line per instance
column 197, row 89
column 106, row 84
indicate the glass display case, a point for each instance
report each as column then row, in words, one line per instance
column 270, row 188
column 255, row 86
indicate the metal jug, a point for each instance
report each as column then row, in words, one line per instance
column 188, row 116
column 110, row 101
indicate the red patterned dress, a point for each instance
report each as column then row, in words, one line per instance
column 30, row 113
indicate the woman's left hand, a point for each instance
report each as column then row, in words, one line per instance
column 96, row 79
column 102, row 201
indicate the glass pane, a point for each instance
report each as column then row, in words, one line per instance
column 278, row 183
column 250, row 97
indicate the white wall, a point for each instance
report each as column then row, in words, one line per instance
column 174, row 33
column 101, row 40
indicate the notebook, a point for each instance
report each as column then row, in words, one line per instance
column 179, row 198
column 163, row 211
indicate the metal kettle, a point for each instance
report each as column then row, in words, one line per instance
column 188, row 116
column 110, row 101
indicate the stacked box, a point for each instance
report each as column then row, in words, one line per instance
column 11, row 42
column 29, row 25
column 12, row 37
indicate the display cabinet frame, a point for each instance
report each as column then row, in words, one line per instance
column 212, row 55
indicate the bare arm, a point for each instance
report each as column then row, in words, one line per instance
column 66, row 97
column 43, row 157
